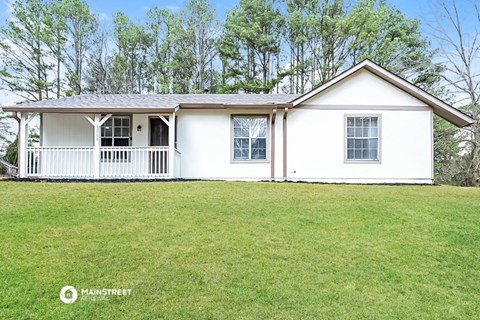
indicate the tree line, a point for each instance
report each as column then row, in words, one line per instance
column 56, row 48
column 60, row 47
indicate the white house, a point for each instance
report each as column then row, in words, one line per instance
column 367, row 125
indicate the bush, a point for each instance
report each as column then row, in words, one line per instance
column 11, row 156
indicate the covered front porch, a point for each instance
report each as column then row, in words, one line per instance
column 100, row 146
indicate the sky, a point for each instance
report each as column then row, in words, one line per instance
column 137, row 9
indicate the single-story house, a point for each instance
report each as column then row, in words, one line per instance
column 367, row 125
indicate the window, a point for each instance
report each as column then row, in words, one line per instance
column 250, row 137
column 362, row 138
column 116, row 133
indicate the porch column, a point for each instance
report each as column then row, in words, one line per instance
column 23, row 143
column 96, row 146
column 171, row 146
column 97, row 123
column 22, row 146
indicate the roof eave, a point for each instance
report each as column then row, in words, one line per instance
column 198, row 106
column 86, row 110
column 439, row 107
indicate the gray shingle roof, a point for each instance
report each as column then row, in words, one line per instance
column 155, row 101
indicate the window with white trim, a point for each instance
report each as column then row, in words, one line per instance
column 116, row 132
column 362, row 138
column 250, row 137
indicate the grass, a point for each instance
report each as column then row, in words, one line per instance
column 232, row 250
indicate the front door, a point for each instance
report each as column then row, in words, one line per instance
column 158, row 137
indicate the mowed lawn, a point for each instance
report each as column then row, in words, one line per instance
column 238, row 250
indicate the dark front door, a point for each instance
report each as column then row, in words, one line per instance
column 158, row 132
column 158, row 137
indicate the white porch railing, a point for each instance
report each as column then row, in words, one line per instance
column 115, row 162
column 60, row 162
column 133, row 162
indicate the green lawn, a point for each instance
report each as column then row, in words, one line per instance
column 233, row 250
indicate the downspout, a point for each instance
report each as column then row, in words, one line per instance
column 285, row 114
column 272, row 149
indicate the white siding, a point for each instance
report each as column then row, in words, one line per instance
column 316, row 134
column 316, row 147
column 140, row 138
column 364, row 88
column 204, row 138
column 66, row 130
column 74, row 130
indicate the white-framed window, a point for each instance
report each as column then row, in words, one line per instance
column 250, row 137
column 363, row 136
column 116, row 132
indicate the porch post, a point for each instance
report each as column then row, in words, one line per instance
column 171, row 146
column 23, row 143
column 97, row 123
column 22, row 146
column 96, row 146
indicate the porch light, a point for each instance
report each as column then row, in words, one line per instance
column 139, row 128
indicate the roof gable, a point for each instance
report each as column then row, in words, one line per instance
column 439, row 107
column 364, row 88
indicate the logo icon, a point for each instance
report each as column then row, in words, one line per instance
column 68, row 294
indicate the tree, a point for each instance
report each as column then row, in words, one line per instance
column 446, row 150
column 331, row 36
column 81, row 25
column 5, row 131
column 383, row 34
column 200, row 25
column 183, row 58
column 159, row 73
column 56, row 28
column 25, row 67
column 98, row 61
column 461, row 53
column 39, row 33
column 250, row 43
column 130, row 60
column 327, row 36
column 298, row 35
column 11, row 153
column 172, row 59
